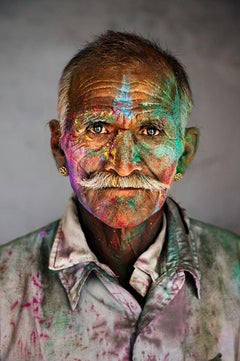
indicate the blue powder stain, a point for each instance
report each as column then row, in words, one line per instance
column 122, row 102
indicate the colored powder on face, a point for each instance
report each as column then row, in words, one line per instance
column 136, row 158
column 111, row 118
column 123, row 103
column 136, row 154
column 169, row 148
column 91, row 152
column 171, row 106
column 179, row 147
column 132, row 203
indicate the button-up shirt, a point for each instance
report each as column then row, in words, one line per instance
column 58, row 302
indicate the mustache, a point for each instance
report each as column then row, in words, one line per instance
column 110, row 180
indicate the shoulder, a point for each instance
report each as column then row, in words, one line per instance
column 219, row 237
column 219, row 257
column 26, row 251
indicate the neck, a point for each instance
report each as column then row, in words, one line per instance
column 119, row 248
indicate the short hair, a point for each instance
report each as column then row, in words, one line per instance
column 120, row 49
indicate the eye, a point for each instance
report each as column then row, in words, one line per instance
column 98, row 129
column 151, row 131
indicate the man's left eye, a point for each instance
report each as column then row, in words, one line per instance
column 150, row 131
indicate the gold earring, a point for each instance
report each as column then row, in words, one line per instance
column 63, row 170
column 178, row 176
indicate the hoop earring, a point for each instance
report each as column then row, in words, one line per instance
column 63, row 170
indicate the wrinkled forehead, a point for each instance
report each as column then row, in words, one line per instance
column 104, row 84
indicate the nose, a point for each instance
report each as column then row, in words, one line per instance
column 123, row 157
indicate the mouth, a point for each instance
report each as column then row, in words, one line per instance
column 122, row 192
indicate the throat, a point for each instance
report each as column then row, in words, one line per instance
column 119, row 248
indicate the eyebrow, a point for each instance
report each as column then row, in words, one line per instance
column 159, row 123
column 89, row 119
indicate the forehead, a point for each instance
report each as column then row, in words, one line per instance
column 134, row 85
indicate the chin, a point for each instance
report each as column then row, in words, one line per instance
column 119, row 224
column 122, row 209
column 123, row 217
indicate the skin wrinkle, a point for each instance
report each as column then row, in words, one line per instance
column 154, row 84
column 155, row 87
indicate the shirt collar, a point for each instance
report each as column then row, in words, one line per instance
column 70, row 246
column 180, row 251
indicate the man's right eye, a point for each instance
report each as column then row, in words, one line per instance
column 98, row 129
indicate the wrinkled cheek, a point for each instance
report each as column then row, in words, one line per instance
column 168, row 174
column 74, row 161
column 163, row 168
column 93, row 163
column 172, row 149
column 74, row 178
column 88, row 160
column 162, row 160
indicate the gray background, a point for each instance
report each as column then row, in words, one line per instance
column 37, row 38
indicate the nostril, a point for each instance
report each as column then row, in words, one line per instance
column 121, row 167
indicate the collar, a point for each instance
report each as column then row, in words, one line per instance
column 74, row 260
column 180, row 253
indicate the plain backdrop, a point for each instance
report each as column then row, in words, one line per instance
column 37, row 39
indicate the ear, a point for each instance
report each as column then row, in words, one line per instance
column 191, row 142
column 57, row 151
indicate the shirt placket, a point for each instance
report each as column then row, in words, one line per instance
column 160, row 295
column 151, row 335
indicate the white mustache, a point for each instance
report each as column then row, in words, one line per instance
column 111, row 180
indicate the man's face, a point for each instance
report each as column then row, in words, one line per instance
column 125, row 124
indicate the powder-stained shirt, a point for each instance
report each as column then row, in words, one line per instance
column 58, row 302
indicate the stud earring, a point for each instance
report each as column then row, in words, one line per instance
column 178, row 176
column 63, row 170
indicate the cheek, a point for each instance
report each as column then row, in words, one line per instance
column 170, row 150
column 169, row 173
column 160, row 160
column 84, row 161
column 74, row 159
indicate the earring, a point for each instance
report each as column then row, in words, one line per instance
column 63, row 170
column 178, row 176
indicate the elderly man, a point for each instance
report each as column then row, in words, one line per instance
column 125, row 275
